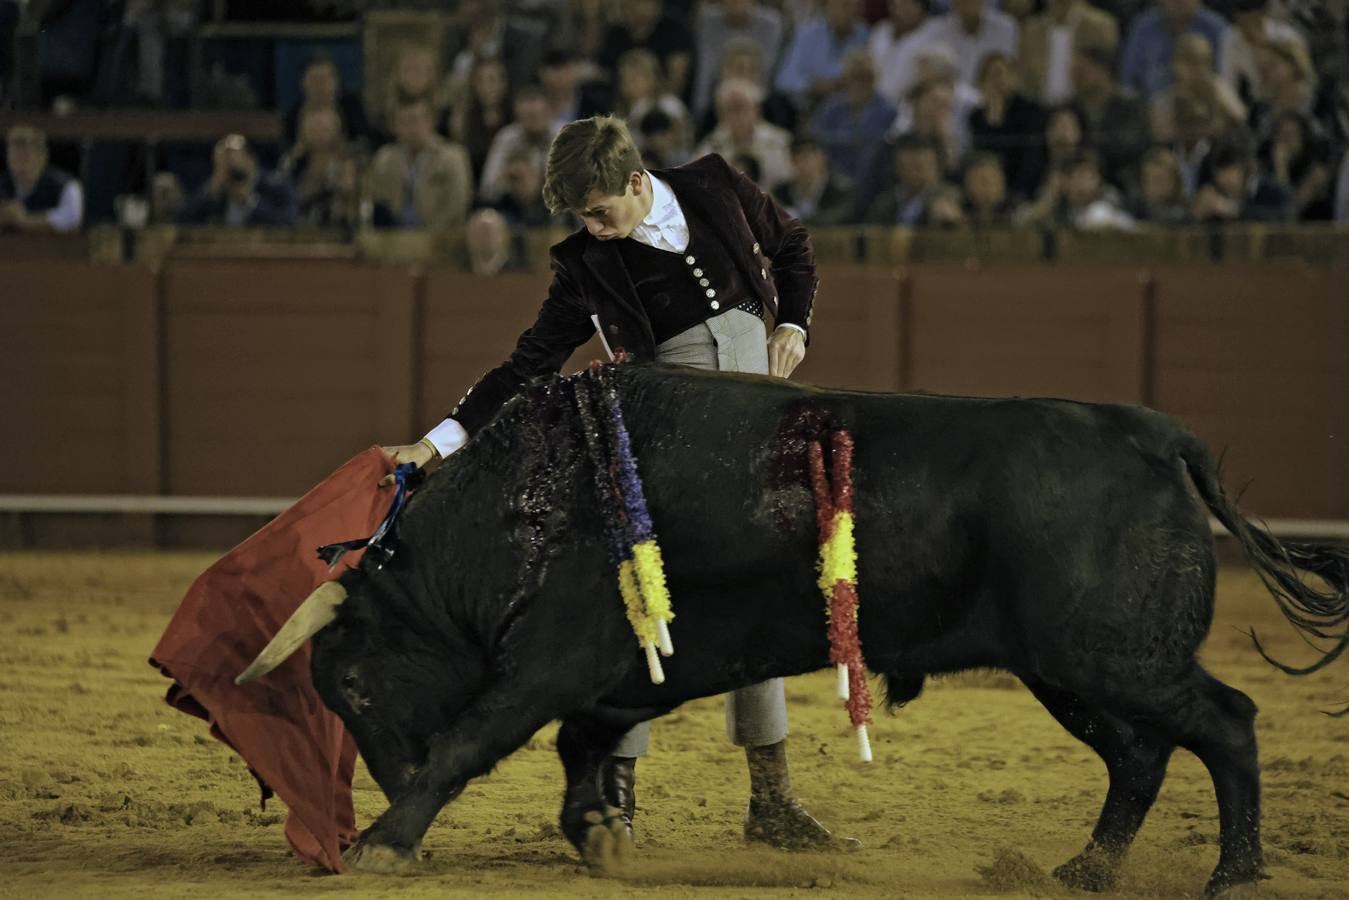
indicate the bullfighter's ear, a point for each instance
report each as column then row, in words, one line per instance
column 318, row 609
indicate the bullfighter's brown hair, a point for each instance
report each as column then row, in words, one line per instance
column 595, row 154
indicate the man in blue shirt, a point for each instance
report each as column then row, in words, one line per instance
column 1146, row 63
column 812, row 66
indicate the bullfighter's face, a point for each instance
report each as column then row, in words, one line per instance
column 610, row 216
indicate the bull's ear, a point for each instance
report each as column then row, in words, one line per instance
column 318, row 609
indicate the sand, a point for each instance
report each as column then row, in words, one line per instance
column 975, row 791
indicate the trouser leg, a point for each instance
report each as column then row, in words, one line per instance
column 757, row 715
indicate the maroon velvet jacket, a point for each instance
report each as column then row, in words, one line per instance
column 591, row 287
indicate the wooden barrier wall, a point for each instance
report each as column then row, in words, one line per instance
column 256, row 378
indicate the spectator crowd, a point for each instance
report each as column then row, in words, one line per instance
column 1113, row 114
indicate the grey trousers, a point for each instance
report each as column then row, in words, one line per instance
column 734, row 341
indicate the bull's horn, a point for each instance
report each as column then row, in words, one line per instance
column 318, row 609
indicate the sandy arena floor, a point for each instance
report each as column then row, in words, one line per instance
column 975, row 791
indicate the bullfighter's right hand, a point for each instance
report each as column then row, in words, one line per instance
column 419, row 454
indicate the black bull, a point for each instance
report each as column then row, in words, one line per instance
column 1059, row 541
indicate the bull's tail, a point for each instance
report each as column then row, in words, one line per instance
column 1320, row 613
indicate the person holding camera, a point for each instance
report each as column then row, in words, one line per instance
column 238, row 193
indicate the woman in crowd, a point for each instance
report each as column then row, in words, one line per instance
column 486, row 111
column 1160, row 197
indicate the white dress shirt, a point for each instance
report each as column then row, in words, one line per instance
column 664, row 228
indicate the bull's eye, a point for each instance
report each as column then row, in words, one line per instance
column 349, row 680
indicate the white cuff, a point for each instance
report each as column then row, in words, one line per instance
column 796, row 327
column 448, row 437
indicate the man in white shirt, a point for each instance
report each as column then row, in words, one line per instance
column 973, row 30
column 1252, row 27
column 895, row 44
column 679, row 265
column 35, row 196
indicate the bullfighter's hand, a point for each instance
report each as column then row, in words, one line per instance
column 786, row 349
column 419, row 454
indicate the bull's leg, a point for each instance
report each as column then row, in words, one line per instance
column 1217, row 723
column 1136, row 760
column 599, row 831
column 494, row 725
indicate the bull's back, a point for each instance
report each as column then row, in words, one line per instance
column 982, row 525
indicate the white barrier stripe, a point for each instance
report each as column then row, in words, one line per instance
column 144, row 503
column 1301, row 528
column 270, row 506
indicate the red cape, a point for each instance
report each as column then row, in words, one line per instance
column 293, row 744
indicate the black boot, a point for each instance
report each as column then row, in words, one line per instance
column 775, row 816
column 618, row 783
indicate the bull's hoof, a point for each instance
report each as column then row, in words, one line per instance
column 381, row 859
column 607, row 843
column 1091, row 870
column 1234, row 883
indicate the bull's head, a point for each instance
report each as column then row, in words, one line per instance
column 393, row 685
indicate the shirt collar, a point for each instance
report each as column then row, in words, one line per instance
column 664, row 207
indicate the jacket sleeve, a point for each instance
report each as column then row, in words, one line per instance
column 785, row 241
column 563, row 325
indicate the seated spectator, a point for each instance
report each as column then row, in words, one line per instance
column 1198, row 129
column 1077, row 196
column 559, row 77
column 530, row 132
column 812, row 64
column 932, row 110
column 985, row 199
column 1116, row 119
column 321, row 89
column 661, row 141
column 640, row 91
column 1064, row 136
column 420, row 180
column 1297, row 156
column 740, row 131
column 1334, row 110
column 1252, row 27
column 1289, row 81
column 974, row 29
column 986, row 204
column 580, row 33
column 166, row 198
column 1342, row 193
column 312, row 163
column 1160, row 197
column 483, row 32
column 238, row 193
column 491, row 247
column 895, row 43
column 743, row 60
column 851, row 123
column 339, row 206
column 1192, row 75
column 1237, row 192
column 814, row 193
column 644, row 26
column 416, row 76
column 718, row 23
column 1150, row 43
column 1005, row 123
column 34, row 195
column 1050, row 41
column 935, row 71
column 487, row 109
column 521, row 203
column 917, row 194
